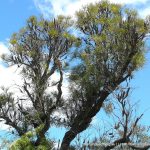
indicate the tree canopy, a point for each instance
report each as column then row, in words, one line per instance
column 38, row 50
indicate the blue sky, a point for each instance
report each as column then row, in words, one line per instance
column 13, row 15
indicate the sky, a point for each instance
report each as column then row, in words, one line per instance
column 13, row 16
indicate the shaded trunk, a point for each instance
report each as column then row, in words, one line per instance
column 69, row 136
column 83, row 123
column 40, row 139
column 83, row 120
column 41, row 133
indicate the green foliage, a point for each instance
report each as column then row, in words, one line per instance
column 42, row 33
column 114, row 37
column 139, row 60
column 32, row 20
column 26, row 142
column 23, row 142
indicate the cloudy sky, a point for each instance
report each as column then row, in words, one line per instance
column 13, row 15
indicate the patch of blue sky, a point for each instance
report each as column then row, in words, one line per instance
column 3, row 64
column 56, row 133
column 6, row 138
column 14, row 15
column 45, row 8
column 140, row 5
column 140, row 84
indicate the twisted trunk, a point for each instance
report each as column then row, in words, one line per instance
column 83, row 123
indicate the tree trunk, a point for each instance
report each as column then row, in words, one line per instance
column 41, row 134
column 40, row 138
column 69, row 136
column 83, row 123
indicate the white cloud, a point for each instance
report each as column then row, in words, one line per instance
column 4, row 127
column 145, row 12
column 44, row 6
column 69, row 7
column 8, row 75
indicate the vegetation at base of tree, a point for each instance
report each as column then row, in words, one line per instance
column 26, row 142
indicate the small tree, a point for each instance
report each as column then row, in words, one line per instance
column 127, row 128
column 113, row 48
column 39, row 50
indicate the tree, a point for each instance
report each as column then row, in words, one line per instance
column 127, row 128
column 39, row 50
column 112, row 49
